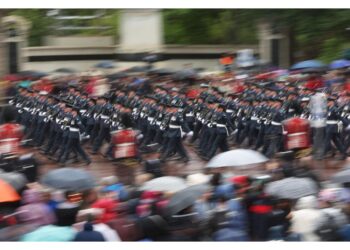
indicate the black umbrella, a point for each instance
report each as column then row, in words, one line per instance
column 162, row 71
column 117, row 75
column 185, row 74
column 184, row 199
column 314, row 70
column 342, row 176
column 16, row 180
column 65, row 70
column 137, row 69
column 32, row 74
column 69, row 179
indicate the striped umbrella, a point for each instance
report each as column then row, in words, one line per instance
column 292, row 188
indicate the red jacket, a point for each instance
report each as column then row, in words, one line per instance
column 10, row 138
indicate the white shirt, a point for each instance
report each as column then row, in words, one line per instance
column 108, row 233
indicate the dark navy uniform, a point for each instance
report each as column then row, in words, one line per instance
column 174, row 133
column 333, row 129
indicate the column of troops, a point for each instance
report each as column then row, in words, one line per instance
column 212, row 122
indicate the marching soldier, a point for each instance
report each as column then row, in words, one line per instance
column 103, row 120
column 274, row 129
column 175, row 130
column 222, row 130
column 333, row 129
column 75, row 128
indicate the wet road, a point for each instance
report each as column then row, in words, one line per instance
column 101, row 167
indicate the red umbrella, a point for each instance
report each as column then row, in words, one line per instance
column 8, row 193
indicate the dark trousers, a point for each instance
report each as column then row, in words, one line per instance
column 334, row 137
column 150, row 135
column 212, row 134
column 52, row 138
column 42, row 133
column 253, row 133
column 260, row 138
column 220, row 142
column 73, row 145
column 272, row 144
column 174, row 145
column 101, row 137
column 196, row 131
column 94, row 131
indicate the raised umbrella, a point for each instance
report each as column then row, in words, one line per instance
column 165, row 184
column 65, row 70
column 137, row 69
column 185, row 198
column 342, row 176
column 185, row 74
column 162, row 71
column 339, row 64
column 8, row 193
column 105, row 65
column 307, row 64
column 69, row 179
column 16, row 180
column 292, row 188
column 237, row 158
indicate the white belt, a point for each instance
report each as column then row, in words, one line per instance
column 74, row 129
column 296, row 134
column 150, row 119
column 83, row 111
column 26, row 109
column 229, row 110
column 158, row 123
column 254, row 118
column 126, row 144
column 42, row 113
column 276, row 123
column 330, row 122
column 104, row 116
column 221, row 125
column 189, row 115
column 174, row 126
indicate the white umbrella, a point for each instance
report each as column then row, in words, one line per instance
column 292, row 188
column 165, row 184
column 237, row 158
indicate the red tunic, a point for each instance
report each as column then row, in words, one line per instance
column 10, row 137
column 125, row 144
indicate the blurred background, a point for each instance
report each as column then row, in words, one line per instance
column 83, row 37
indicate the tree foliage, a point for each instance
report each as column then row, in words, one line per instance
column 317, row 33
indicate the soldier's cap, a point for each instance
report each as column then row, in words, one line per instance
column 215, row 88
column 210, row 101
column 222, row 105
column 249, row 100
column 30, row 90
column 191, row 98
column 291, row 93
column 103, row 97
column 278, row 100
column 44, row 93
column 204, row 85
column 174, row 89
column 332, row 98
column 233, row 94
column 85, row 94
column 73, row 107
column 92, row 100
